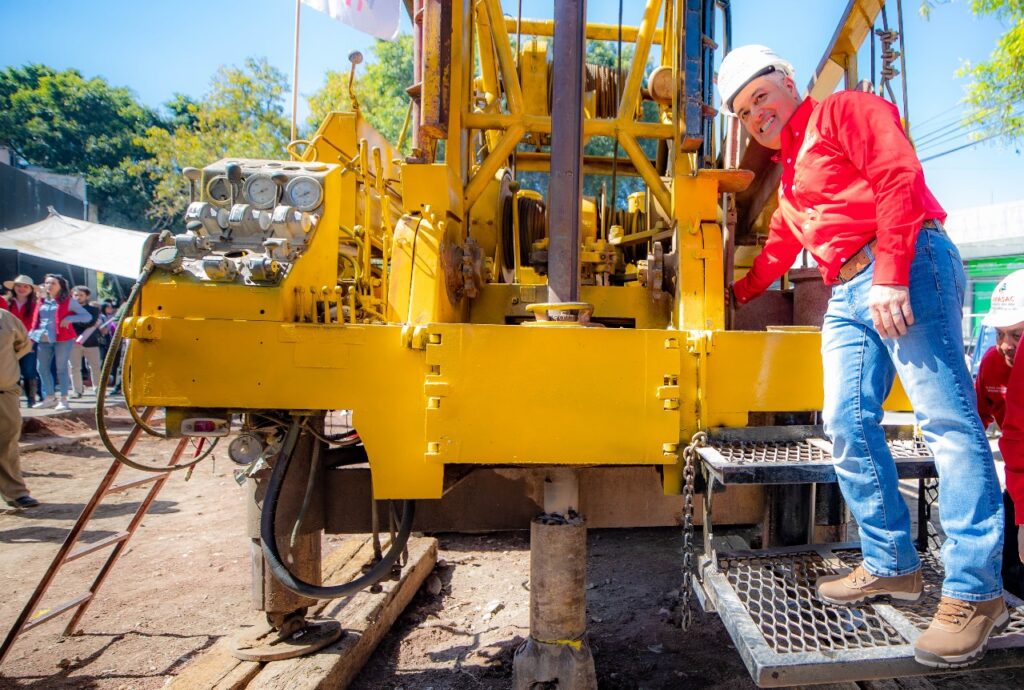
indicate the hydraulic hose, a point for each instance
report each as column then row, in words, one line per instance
column 268, row 536
column 142, row 422
column 101, row 392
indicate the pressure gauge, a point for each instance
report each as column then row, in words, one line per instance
column 218, row 190
column 260, row 191
column 304, row 192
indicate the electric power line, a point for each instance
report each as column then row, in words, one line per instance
column 965, row 146
column 938, row 115
column 959, row 123
column 952, row 136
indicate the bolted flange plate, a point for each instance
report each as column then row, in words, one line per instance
column 266, row 644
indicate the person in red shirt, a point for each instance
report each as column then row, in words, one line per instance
column 23, row 305
column 853, row 194
column 1000, row 389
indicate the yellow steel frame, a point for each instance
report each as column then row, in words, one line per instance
column 516, row 123
column 438, row 381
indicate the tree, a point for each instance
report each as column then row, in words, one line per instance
column 242, row 115
column 380, row 89
column 77, row 126
column 994, row 96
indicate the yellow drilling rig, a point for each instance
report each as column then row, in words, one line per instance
column 507, row 349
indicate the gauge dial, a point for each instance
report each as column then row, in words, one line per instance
column 218, row 190
column 304, row 192
column 260, row 191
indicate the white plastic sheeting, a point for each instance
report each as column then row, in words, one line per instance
column 80, row 243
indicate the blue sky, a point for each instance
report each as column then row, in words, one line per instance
column 157, row 48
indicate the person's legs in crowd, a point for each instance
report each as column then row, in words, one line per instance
column 62, row 352
column 44, row 364
column 92, row 358
column 12, row 484
column 30, row 377
column 116, row 372
column 75, row 366
column 1013, row 569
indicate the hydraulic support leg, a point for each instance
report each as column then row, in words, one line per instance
column 287, row 632
column 557, row 655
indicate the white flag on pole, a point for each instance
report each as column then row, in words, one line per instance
column 376, row 17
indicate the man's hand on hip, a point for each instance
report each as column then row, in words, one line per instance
column 890, row 310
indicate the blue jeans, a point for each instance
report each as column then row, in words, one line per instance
column 46, row 354
column 859, row 371
column 27, row 364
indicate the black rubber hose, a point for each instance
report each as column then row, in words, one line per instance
column 268, row 536
column 101, row 391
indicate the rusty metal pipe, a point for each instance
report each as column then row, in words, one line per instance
column 566, row 186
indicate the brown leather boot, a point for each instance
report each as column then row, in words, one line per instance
column 860, row 585
column 959, row 632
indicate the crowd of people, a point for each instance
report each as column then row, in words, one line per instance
column 47, row 331
column 66, row 327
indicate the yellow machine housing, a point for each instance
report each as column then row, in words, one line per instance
column 411, row 291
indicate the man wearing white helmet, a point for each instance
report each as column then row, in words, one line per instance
column 853, row 194
column 996, row 403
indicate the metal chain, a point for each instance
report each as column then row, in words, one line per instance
column 699, row 440
column 930, row 487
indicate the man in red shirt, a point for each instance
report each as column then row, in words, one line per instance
column 1000, row 389
column 853, row 195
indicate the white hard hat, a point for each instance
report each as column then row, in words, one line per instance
column 1007, row 306
column 742, row 66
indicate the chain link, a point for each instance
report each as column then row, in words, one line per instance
column 699, row 440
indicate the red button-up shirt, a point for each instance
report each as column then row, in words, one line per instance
column 849, row 175
column 990, row 387
column 1011, row 443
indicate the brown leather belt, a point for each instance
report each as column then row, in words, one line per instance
column 862, row 259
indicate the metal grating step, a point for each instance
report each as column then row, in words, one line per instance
column 787, row 637
column 797, row 455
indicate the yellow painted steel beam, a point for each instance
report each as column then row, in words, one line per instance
column 299, row 367
column 591, row 127
column 559, row 412
column 509, row 76
column 495, row 160
column 488, row 66
column 769, row 371
column 416, row 395
column 531, row 161
column 499, row 301
column 631, row 91
column 840, row 59
column 594, row 32
column 485, row 55
column 646, row 170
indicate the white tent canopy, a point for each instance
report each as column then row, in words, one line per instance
column 80, row 243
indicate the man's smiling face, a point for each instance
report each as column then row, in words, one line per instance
column 765, row 105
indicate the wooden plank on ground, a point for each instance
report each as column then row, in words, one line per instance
column 218, row 669
column 366, row 618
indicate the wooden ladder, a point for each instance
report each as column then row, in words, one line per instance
column 28, row 618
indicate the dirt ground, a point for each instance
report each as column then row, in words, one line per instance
column 184, row 583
